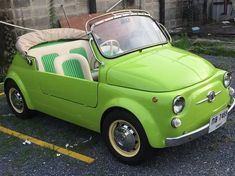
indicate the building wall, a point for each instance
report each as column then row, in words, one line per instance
column 35, row 13
column 173, row 13
column 152, row 6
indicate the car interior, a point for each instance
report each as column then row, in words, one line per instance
column 68, row 58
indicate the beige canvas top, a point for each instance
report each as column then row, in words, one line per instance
column 27, row 41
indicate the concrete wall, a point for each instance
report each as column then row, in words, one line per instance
column 152, row 6
column 103, row 5
column 35, row 13
column 173, row 13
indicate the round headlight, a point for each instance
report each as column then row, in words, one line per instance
column 175, row 123
column 178, row 104
column 231, row 91
column 227, row 79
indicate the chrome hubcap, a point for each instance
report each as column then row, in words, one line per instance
column 16, row 100
column 124, row 138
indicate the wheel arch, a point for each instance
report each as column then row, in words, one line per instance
column 142, row 115
column 16, row 79
column 109, row 110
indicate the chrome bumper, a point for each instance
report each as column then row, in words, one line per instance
column 192, row 135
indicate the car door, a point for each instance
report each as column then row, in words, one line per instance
column 76, row 90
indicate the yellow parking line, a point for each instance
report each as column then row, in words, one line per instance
column 44, row 144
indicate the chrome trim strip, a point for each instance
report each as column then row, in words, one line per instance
column 232, row 105
column 93, row 52
column 218, row 93
column 187, row 137
column 202, row 101
column 129, row 11
column 167, row 33
column 206, row 99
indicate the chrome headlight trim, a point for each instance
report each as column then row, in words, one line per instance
column 178, row 104
column 227, row 79
column 176, row 122
column 231, row 91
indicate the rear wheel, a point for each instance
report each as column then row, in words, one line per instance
column 16, row 101
column 125, row 137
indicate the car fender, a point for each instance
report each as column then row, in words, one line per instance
column 16, row 78
column 142, row 114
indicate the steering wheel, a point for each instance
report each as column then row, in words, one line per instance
column 111, row 46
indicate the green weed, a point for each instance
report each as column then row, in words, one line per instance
column 213, row 47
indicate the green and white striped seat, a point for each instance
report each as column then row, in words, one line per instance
column 46, row 54
column 73, row 65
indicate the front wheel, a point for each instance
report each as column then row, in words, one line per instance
column 16, row 101
column 125, row 137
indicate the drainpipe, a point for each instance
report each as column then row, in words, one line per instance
column 92, row 6
column 162, row 11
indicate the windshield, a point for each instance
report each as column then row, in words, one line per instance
column 126, row 34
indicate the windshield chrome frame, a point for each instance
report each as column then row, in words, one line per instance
column 120, row 14
column 115, row 13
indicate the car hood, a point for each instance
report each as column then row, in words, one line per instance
column 159, row 70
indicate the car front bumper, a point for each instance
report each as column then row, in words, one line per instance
column 174, row 141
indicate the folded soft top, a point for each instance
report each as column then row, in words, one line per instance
column 27, row 41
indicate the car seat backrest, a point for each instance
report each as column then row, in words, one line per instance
column 48, row 62
column 46, row 55
column 81, row 51
column 74, row 65
column 81, row 47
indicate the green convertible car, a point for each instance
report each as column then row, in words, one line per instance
column 123, row 78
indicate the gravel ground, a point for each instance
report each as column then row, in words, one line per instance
column 212, row 154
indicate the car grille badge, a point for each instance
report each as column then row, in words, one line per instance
column 210, row 97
